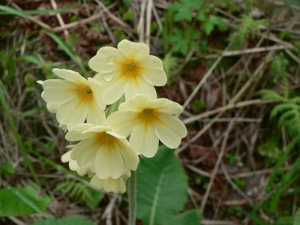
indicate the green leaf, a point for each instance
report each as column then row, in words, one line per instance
column 21, row 201
column 71, row 220
column 161, row 187
column 32, row 59
column 191, row 217
column 297, row 217
column 208, row 27
column 6, row 168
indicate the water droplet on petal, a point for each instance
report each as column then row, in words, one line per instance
column 108, row 76
column 110, row 59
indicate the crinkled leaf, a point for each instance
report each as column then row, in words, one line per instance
column 22, row 201
column 161, row 187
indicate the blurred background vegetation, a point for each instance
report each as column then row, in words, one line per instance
column 232, row 64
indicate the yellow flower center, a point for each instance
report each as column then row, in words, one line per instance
column 148, row 115
column 84, row 93
column 130, row 68
column 108, row 140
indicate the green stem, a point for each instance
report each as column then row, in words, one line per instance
column 132, row 199
column 193, row 25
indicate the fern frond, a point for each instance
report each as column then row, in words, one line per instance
column 271, row 95
column 280, row 108
column 248, row 27
column 278, row 67
column 170, row 64
column 290, row 118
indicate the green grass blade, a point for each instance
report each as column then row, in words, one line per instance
column 16, row 133
column 67, row 49
column 11, row 11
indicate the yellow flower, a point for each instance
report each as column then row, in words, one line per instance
column 129, row 69
column 109, row 184
column 148, row 121
column 73, row 164
column 74, row 99
column 104, row 152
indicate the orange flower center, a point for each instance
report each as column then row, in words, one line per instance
column 84, row 93
column 130, row 68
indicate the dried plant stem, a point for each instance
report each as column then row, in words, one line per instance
column 132, row 198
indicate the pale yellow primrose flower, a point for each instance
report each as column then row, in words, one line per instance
column 148, row 121
column 74, row 99
column 107, row 185
column 129, row 69
column 73, row 165
column 104, row 152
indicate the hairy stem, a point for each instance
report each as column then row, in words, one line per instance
column 132, row 198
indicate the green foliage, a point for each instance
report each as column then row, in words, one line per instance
column 198, row 105
column 278, row 66
column 232, row 158
column 21, row 201
column 70, row 220
column 269, row 149
column 161, row 187
column 186, row 39
column 68, row 50
column 297, row 217
column 7, row 168
column 288, row 110
column 170, row 64
column 77, row 190
column 129, row 15
column 248, row 28
column 184, row 9
column 191, row 217
column 181, row 41
column 287, row 179
column 210, row 23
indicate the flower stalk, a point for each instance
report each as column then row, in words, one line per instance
column 132, row 198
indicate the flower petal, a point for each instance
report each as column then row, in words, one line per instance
column 144, row 141
column 114, row 92
column 122, row 122
column 166, row 106
column 132, row 49
column 95, row 115
column 104, row 61
column 85, row 152
column 58, row 91
column 153, row 71
column 139, row 86
column 66, row 157
column 109, row 163
column 70, row 75
column 136, row 104
column 52, row 107
column 114, row 185
column 97, row 93
column 129, row 156
column 109, row 184
column 75, row 134
column 71, row 113
column 170, row 130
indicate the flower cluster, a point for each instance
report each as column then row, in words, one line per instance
column 102, row 151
